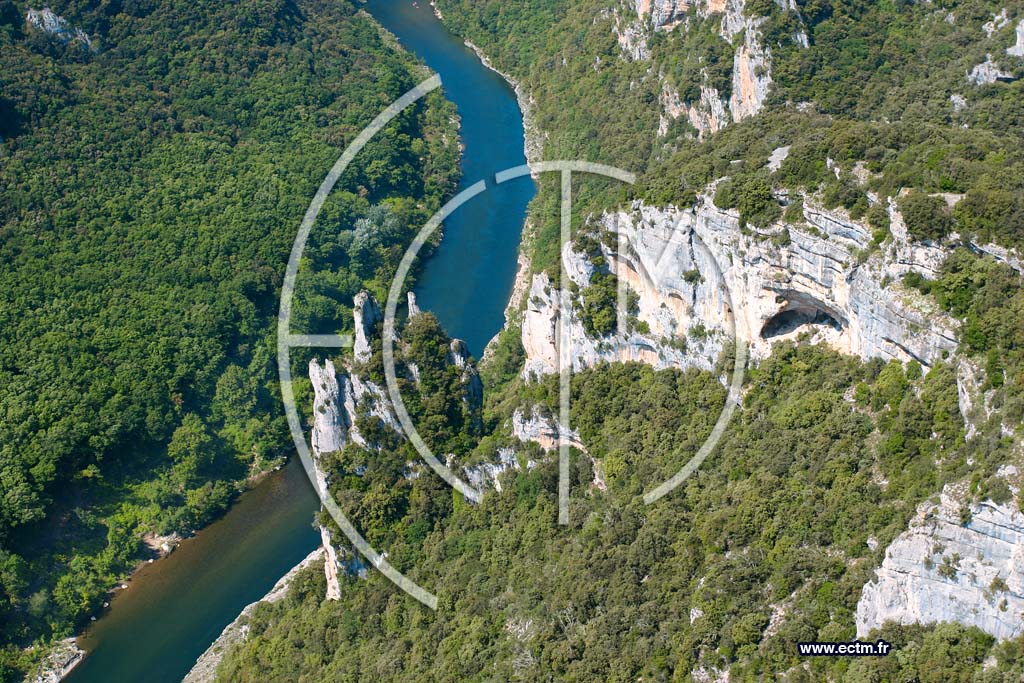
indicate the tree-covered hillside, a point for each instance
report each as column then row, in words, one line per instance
column 881, row 83
column 772, row 540
column 153, row 177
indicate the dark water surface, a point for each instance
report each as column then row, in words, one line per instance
column 176, row 607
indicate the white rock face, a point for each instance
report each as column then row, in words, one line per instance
column 57, row 26
column 709, row 115
column 331, row 565
column 998, row 21
column 940, row 570
column 413, row 307
column 733, row 19
column 663, row 14
column 783, row 281
column 330, row 421
column 1017, row 49
column 668, row 316
column 329, row 434
column 360, row 391
column 968, row 390
column 367, row 314
column 633, row 40
column 548, row 434
column 775, row 159
column 487, row 475
column 751, row 60
column 987, row 72
column 669, row 13
column 751, row 74
column 543, row 431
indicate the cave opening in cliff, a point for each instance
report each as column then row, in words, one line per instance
column 793, row 318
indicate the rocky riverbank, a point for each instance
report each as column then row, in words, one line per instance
column 205, row 669
column 533, row 138
column 59, row 662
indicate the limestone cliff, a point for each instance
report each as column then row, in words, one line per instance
column 751, row 71
column 343, row 397
column 751, row 74
column 957, row 562
column 334, row 401
column 367, row 315
column 783, row 281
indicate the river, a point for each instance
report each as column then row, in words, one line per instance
column 176, row 607
column 467, row 281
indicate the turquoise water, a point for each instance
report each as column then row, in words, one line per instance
column 176, row 607
column 469, row 278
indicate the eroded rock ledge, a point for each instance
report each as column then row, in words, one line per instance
column 958, row 563
column 699, row 276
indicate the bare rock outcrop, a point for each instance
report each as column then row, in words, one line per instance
column 330, row 419
column 783, row 281
column 412, row 308
column 488, row 474
column 957, row 562
column 751, row 74
column 988, row 72
column 664, row 14
column 968, row 390
column 367, row 315
column 57, row 27
column 1017, row 49
column 997, row 22
column 543, row 431
column 707, row 115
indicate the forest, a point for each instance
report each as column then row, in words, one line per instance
column 153, row 181
column 829, row 456
column 781, row 516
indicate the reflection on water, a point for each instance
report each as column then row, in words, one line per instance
column 468, row 280
column 176, row 607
